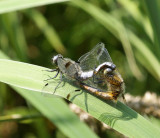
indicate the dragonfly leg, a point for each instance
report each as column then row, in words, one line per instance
column 58, row 82
column 52, row 77
column 52, row 70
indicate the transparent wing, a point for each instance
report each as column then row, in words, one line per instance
column 92, row 59
column 104, row 56
column 95, row 57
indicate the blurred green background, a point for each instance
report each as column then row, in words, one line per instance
column 129, row 29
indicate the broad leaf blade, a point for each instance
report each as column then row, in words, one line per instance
column 14, row 5
column 118, row 116
column 55, row 109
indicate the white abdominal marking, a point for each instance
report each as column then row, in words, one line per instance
column 103, row 64
column 86, row 75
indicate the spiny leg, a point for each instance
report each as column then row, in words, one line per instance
column 52, row 70
column 58, row 82
column 52, row 77
column 49, row 79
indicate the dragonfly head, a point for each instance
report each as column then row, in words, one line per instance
column 55, row 58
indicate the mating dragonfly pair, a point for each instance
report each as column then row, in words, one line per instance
column 94, row 72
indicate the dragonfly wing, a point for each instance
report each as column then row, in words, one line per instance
column 103, row 56
column 95, row 57
column 90, row 60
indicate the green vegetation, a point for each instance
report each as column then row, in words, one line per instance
column 130, row 31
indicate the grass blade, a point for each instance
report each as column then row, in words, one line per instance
column 55, row 109
column 119, row 116
column 14, row 5
column 153, row 11
column 14, row 32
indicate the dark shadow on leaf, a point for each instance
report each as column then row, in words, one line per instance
column 110, row 118
column 86, row 97
column 73, row 97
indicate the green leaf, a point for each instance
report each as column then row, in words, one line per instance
column 118, row 116
column 55, row 109
column 13, row 5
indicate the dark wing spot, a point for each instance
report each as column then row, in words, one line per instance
column 68, row 64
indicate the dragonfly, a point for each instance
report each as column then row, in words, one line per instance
column 70, row 69
column 111, row 84
column 97, row 62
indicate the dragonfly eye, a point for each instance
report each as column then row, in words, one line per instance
column 113, row 66
column 55, row 58
column 108, row 71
